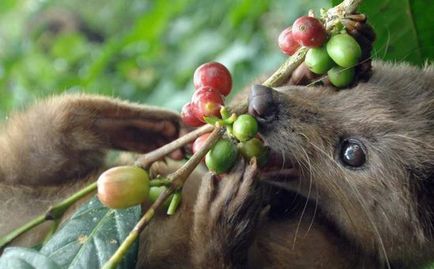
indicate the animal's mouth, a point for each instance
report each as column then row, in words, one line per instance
column 295, row 197
column 280, row 170
column 292, row 190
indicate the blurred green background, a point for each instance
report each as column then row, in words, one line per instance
column 142, row 50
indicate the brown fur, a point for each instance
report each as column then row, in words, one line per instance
column 49, row 150
column 360, row 218
column 384, row 207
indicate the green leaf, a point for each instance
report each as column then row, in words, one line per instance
column 403, row 28
column 429, row 266
column 70, row 47
column 24, row 258
column 92, row 235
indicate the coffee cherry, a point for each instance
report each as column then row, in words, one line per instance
column 214, row 75
column 245, row 127
column 309, row 32
column 123, row 186
column 253, row 148
column 221, row 157
column 188, row 116
column 341, row 77
column 286, row 42
column 318, row 60
column 206, row 102
column 199, row 142
column 344, row 50
column 154, row 193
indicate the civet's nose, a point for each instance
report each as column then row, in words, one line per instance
column 261, row 103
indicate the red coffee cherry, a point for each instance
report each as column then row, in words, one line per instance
column 198, row 143
column 206, row 102
column 188, row 116
column 287, row 44
column 309, row 32
column 214, row 75
column 123, row 186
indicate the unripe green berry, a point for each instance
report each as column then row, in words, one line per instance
column 318, row 60
column 254, row 148
column 154, row 193
column 221, row 157
column 344, row 50
column 245, row 127
column 341, row 77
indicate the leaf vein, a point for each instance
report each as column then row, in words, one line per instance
column 92, row 233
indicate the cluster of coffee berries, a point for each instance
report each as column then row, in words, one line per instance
column 241, row 138
column 127, row 186
column 336, row 56
column 212, row 82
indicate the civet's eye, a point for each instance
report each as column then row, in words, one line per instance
column 352, row 153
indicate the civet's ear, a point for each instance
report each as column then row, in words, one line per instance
column 66, row 136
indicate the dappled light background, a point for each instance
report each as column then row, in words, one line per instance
column 140, row 50
column 147, row 50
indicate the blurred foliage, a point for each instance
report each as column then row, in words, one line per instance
column 141, row 50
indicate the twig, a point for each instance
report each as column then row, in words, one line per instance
column 177, row 178
column 147, row 159
column 159, row 182
column 285, row 70
column 339, row 11
column 55, row 213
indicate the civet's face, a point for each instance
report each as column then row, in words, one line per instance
column 364, row 155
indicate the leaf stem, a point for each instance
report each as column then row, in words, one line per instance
column 174, row 203
column 177, row 178
column 55, row 213
column 20, row 230
column 52, row 230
